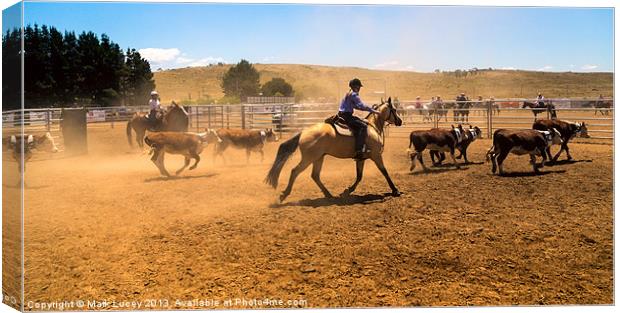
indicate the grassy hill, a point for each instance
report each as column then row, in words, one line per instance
column 328, row 83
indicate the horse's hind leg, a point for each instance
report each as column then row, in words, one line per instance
column 187, row 159
column 359, row 167
column 316, row 176
column 303, row 164
column 140, row 138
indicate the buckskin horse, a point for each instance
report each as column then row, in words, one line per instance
column 322, row 139
column 174, row 118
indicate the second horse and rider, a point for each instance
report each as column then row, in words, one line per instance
column 344, row 136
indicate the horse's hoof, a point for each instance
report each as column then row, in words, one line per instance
column 345, row 193
column 396, row 193
column 282, row 197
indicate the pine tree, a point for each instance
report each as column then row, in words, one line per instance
column 62, row 70
column 241, row 80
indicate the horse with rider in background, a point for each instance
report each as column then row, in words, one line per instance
column 540, row 105
column 173, row 118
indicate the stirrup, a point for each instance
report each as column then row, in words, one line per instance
column 362, row 155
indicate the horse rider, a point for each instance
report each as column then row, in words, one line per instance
column 154, row 107
column 418, row 103
column 349, row 103
column 540, row 100
column 461, row 102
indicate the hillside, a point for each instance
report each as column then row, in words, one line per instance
column 326, row 83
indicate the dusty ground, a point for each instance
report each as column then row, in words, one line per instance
column 107, row 227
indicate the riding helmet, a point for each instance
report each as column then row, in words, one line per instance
column 355, row 82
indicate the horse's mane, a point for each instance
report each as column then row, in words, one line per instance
column 375, row 106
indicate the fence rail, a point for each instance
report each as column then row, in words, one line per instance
column 286, row 118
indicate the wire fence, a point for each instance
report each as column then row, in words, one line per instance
column 288, row 118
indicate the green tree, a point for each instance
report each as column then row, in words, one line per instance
column 241, row 81
column 11, row 70
column 61, row 70
column 277, row 86
column 139, row 81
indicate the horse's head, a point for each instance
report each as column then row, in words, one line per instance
column 175, row 118
column 388, row 113
column 176, row 108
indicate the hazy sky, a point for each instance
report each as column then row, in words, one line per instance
column 416, row 38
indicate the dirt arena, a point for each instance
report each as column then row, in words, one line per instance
column 106, row 226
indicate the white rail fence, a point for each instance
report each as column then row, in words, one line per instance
column 288, row 118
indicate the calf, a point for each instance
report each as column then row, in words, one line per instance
column 568, row 130
column 434, row 139
column 471, row 135
column 250, row 140
column 519, row 142
column 18, row 145
column 22, row 146
column 189, row 145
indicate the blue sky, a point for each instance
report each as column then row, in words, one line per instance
column 415, row 38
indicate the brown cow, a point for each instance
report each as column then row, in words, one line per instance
column 434, row 139
column 520, row 142
column 250, row 140
column 568, row 131
column 471, row 135
column 189, row 145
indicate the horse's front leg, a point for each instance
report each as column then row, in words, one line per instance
column 378, row 159
column 359, row 167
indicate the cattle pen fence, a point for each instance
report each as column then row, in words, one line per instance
column 288, row 118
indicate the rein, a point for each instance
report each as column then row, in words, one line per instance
column 382, row 133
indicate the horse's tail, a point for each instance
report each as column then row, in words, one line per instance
column 128, row 131
column 285, row 151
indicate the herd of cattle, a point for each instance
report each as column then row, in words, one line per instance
column 533, row 142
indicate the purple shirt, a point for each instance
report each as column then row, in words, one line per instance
column 352, row 101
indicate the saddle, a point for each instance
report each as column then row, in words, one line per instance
column 159, row 120
column 339, row 126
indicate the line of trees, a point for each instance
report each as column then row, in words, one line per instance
column 65, row 69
